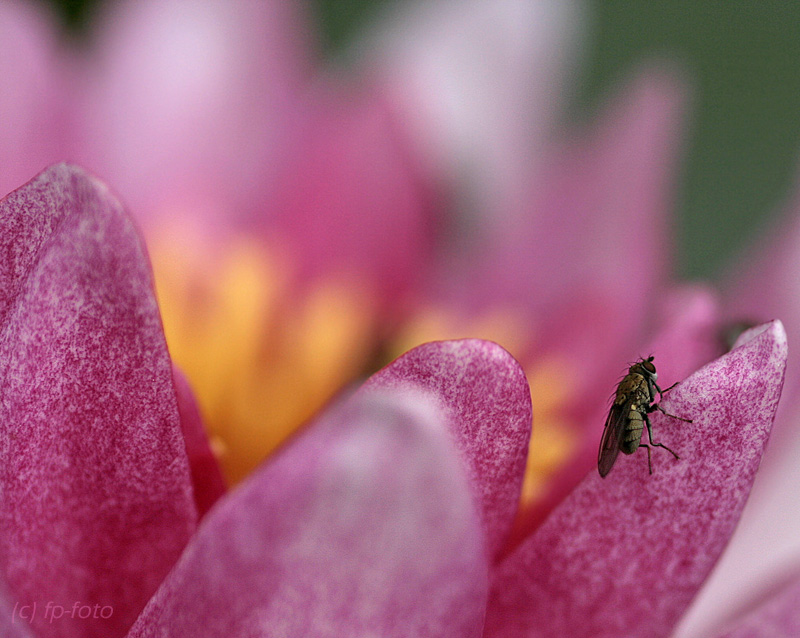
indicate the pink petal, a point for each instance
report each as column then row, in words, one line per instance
column 97, row 500
column 589, row 237
column 484, row 394
column 623, row 556
column 14, row 618
column 207, row 479
column 188, row 100
column 763, row 285
column 687, row 338
column 32, row 102
column 763, row 547
column 361, row 526
column 351, row 201
column 778, row 617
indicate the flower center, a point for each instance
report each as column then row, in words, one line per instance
column 553, row 438
column 261, row 359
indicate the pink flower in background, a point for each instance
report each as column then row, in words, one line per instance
column 306, row 225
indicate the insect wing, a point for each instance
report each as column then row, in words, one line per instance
column 612, row 437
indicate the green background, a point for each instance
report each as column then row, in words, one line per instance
column 743, row 59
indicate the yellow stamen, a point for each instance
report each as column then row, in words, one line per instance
column 503, row 326
column 553, row 438
column 261, row 361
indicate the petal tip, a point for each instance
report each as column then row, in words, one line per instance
column 774, row 330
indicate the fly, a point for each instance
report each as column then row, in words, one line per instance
column 634, row 400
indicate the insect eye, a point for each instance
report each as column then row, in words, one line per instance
column 648, row 365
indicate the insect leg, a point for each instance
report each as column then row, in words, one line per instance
column 656, row 406
column 649, row 462
column 650, row 436
column 663, row 392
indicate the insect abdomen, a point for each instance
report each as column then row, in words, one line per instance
column 633, row 432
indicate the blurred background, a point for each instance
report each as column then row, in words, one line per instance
column 743, row 62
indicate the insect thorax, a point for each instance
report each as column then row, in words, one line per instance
column 633, row 388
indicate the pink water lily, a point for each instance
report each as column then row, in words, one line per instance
column 302, row 239
column 256, row 175
column 388, row 515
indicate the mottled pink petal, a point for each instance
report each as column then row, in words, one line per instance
column 778, row 617
column 624, row 555
column 687, row 338
column 350, row 201
column 188, row 101
column 14, row 618
column 763, row 547
column 484, row 394
column 207, row 479
column 32, row 99
column 96, row 493
column 362, row 526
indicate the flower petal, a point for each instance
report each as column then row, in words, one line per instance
column 623, row 556
column 485, row 395
column 481, row 83
column 207, row 480
column 763, row 282
column 362, row 526
column 761, row 285
column 687, row 339
column 188, row 100
column 351, row 202
column 96, row 492
column 779, row 617
column 769, row 521
column 689, row 335
column 586, row 239
column 13, row 624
